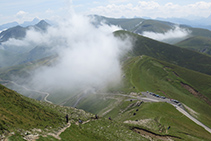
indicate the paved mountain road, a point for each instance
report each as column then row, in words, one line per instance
column 150, row 98
column 192, row 118
column 179, row 108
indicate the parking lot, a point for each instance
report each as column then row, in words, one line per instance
column 157, row 98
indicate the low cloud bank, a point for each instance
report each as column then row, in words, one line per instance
column 175, row 33
column 88, row 56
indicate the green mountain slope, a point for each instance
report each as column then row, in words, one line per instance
column 200, row 32
column 17, row 111
column 172, row 54
column 148, row 74
column 157, row 117
column 127, row 24
column 21, row 117
column 153, row 26
column 198, row 43
column 143, row 73
column 137, row 25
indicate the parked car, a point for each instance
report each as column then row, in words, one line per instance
column 176, row 101
column 163, row 97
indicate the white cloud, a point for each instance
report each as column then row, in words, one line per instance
column 154, row 9
column 118, row 1
column 177, row 32
column 21, row 14
column 49, row 11
column 88, row 56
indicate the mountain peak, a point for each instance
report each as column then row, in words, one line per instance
column 29, row 23
column 42, row 25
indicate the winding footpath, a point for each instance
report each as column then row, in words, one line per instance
column 57, row 135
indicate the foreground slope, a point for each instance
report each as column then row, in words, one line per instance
column 23, row 118
column 20, row 112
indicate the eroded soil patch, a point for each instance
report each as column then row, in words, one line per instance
column 196, row 93
column 151, row 135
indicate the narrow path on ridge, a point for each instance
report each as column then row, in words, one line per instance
column 60, row 131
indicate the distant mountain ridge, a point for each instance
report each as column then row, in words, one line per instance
column 24, row 24
column 139, row 25
column 8, row 25
column 30, row 23
column 198, row 22
column 12, row 55
column 19, row 32
column 161, row 28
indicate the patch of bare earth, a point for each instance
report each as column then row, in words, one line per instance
column 153, row 136
column 38, row 132
column 139, row 122
column 56, row 135
column 195, row 93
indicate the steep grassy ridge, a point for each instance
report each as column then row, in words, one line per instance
column 169, row 53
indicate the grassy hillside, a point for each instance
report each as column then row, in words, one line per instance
column 197, row 43
column 172, row 54
column 157, row 117
column 144, row 73
column 153, row 26
column 127, row 24
column 200, row 32
column 19, row 112
column 21, row 117
column 102, row 129
column 148, row 74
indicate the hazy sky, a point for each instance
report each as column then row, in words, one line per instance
column 22, row 10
